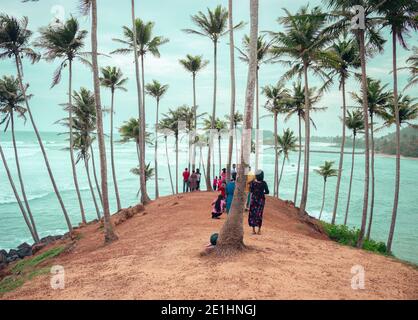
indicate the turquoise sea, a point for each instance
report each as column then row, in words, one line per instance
column 50, row 220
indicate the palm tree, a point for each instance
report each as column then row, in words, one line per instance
column 237, row 118
column 212, row 26
column 233, row 89
column 149, row 173
column 296, row 106
column 144, row 43
column 275, row 104
column 157, row 91
column 346, row 57
column 112, row 78
column 87, row 6
column 401, row 17
column 377, row 98
column 194, row 64
column 166, row 133
column 220, row 126
column 263, row 56
column 342, row 10
column 412, row 62
column 287, row 143
column 65, row 42
column 326, row 171
column 408, row 111
column 14, row 43
column 11, row 103
column 231, row 236
column 96, row 180
column 354, row 122
column 304, row 43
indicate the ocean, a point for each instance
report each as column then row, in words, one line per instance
column 50, row 220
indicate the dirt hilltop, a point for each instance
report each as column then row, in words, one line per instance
column 158, row 257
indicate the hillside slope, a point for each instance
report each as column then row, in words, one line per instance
column 158, row 257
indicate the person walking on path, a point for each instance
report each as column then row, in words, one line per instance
column 193, row 181
column 234, row 172
column 198, row 177
column 186, row 175
column 258, row 189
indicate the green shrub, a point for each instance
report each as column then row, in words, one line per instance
column 349, row 236
column 33, row 262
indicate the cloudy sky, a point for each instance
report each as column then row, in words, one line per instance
column 170, row 18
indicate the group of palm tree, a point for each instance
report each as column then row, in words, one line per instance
column 312, row 43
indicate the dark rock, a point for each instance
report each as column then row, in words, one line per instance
column 12, row 258
column 3, row 256
column 23, row 246
column 47, row 239
column 3, row 265
column 12, row 252
column 38, row 246
column 24, row 252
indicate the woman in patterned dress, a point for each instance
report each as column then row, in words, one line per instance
column 258, row 189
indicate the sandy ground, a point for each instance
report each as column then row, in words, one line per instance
column 158, row 257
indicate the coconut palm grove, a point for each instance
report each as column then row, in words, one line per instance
column 246, row 135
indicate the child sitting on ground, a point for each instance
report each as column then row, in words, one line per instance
column 218, row 207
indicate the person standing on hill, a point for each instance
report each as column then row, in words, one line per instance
column 186, row 175
column 215, row 183
column 258, row 189
column 250, row 178
column 198, row 175
column 234, row 172
column 223, row 175
column 193, row 181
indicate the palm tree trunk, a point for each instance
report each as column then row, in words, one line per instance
column 110, row 235
column 340, row 165
column 233, row 90
column 177, row 164
column 93, row 162
column 168, row 164
column 305, row 184
column 257, row 124
column 195, row 121
column 157, row 193
column 398, row 145
column 19, row 201
column 231, row 237
column 323, row 199
column 299, row 158
column 351, row 180
column 19, row 67
column 19, row 173
column 220, row 153
column 281, row 174
column 143, row 122
column 112, row 157
column 236, row 143
column 366, row 139
column 93, row 196
column 203, row 163
column 369, row 228
column 70, row 118
column 143, row 184
column 276, row 164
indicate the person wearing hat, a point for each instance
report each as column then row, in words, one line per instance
column 258, row 189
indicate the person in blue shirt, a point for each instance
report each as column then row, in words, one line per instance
column 230, row 188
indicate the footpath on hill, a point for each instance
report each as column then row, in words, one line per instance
column 158, row 256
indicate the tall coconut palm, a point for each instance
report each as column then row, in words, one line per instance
column 166, row 133
column 231, row 236
column 233, row 88
column 149, row 173
column 157, row 91
column 87, row 7
column 354, row 122
column 144, row 43
column 237, row 118
column 16, row 194
column 11, row 103
column 263, row 56
column 96, row 180
column 112, row 78
column 214, row 25
column 303, row 42
column 276, row 104
column 401, row 17
column 408, row 111
column 287, row 143
column 346, row 58
column 65, row 42
column 377, row 97
column 343, row 11
column 194, row 64
column 296, row 106
column 326, row 171
column 14, row 43
column 220, row 127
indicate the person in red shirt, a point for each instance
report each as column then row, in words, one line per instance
column 186, row 175
column 222, row 189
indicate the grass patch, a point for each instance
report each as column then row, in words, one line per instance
column 349, row 236
column 27, row 269
column 33, row 262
